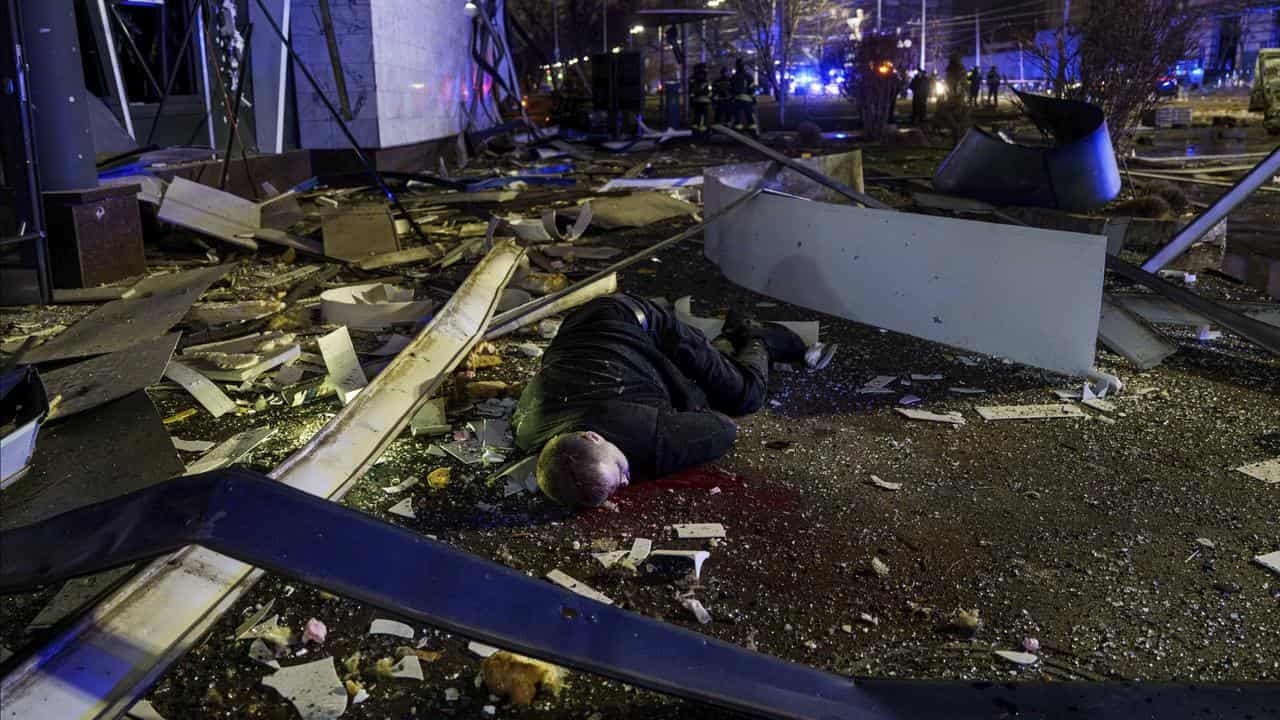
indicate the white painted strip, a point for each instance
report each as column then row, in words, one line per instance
column 99, row 666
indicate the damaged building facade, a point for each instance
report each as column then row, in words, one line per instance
column 278, row 279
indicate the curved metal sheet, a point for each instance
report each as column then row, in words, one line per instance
column 1078, row 173
column 1024, row 293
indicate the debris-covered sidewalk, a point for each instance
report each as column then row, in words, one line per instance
column 900, row 508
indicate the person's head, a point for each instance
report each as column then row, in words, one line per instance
column 581, row 469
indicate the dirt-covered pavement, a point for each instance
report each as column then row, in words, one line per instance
column 1121, row 543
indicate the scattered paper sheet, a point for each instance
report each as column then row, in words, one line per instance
column 409, row 667
column 143, row 710
column 698, row 531
column 1268, row 471
column 313, row 688
column 404, row 509
column 568, row 583
column 480, row 649
column 1270, row 561
column 640, row 549
column 399, row 487
column 885, row 484
column 1018, row 658
column 382, row 626
column 231, row 450
column 192, row 445
column 340, row 360
column 878, row 385
column 1029, row 412
column 953, row 417
column 208, row 394
column 609, row 559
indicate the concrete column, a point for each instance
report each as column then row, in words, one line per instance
column 64, row 141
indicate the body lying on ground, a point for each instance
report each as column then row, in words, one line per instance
column 628, row 390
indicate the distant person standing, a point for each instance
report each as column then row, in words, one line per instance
column 975, row 85
column 993, row 86
column 744, row 100
column 722, row 97
column 921, row 88
column 700, row 99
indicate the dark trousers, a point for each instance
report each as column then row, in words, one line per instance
column 734, row 386
column 724, row 112
column 744, row 112
column 701, row 112
column 919, row 109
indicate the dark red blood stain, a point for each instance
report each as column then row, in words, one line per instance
column 686, row 497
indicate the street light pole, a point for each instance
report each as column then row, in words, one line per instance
column 555, row 27
column 924, row 24
column 977, row 39
column 604, row 21
column 879, row 12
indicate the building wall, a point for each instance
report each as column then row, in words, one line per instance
column 407, row 66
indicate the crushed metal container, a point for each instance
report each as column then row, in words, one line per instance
column 23, row 406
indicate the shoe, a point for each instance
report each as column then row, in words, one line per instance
column 782, row 343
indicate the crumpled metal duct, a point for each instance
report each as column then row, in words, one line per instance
column 1078, row 173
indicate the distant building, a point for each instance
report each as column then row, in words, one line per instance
column 1229, row 40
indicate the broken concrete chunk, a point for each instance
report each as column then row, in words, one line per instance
column 565, row 581
column 314, row 689
column 611, row 558
column 261, row 652
column 194, row 446
column 880, row 568
column 1028, row 412
column 695, row 607
column 409, row 667
column 1268, row 471
column 878, row 385
column 519, row 678
column 400, row 486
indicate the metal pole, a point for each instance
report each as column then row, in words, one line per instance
column 235, row 110
column 172, row 77
column 924, row 19
column 204, row 74
column 555, row 27
column 604, row 22
column 1258, row 176
column 879, row 12
column 284, row 79
column 50, row 51
column 121, row 95
column 977, row 39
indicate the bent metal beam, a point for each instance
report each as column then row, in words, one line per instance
column 102, row 663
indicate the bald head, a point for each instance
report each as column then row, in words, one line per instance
column 581, row 469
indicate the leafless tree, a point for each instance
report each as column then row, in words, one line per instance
column 770, row 27
column 874, row 79
column 1120, row 51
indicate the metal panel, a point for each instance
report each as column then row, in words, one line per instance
column 1127, row 335
column 1079, row 173
column 101, row 665
column 1027, row 294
